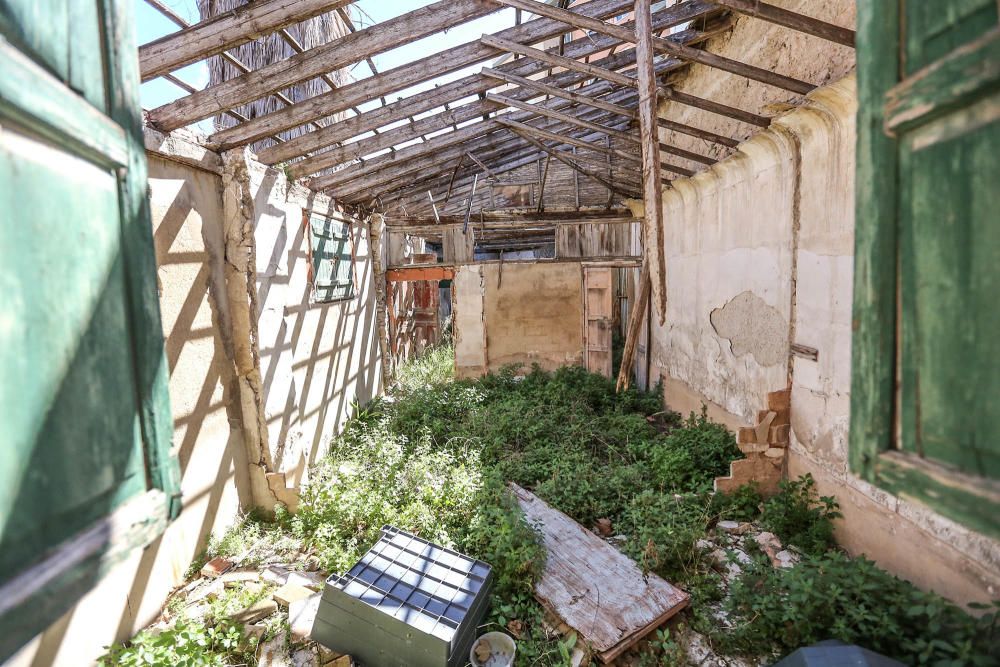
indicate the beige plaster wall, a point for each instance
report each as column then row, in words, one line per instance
column 759, row 254
column 517, row 314
column 316, row 359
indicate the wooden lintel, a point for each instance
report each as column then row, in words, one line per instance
column 409, row 274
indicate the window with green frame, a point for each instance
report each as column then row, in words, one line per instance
column 925, row 404
column 332, row 253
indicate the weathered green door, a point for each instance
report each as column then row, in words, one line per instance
column 926, row 391
column 85, row 471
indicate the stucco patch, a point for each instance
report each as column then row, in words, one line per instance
column 752, row 327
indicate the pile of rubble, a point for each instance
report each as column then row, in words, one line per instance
column 279, row 620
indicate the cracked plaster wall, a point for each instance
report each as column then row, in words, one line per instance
column 759, row 253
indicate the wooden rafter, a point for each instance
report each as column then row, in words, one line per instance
column 405, row 76
column 665, row 46
column 426, row 157
column 463, row 88
column 575, row 166
column 226, row 31
column 319, row 60
column 793, row 20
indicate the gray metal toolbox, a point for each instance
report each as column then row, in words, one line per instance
column 406, row 603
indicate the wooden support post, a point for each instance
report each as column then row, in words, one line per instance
column 376, row 229
column 541, row 186
column 635, row 322
column 652, row 196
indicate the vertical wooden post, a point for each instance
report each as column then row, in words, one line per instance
column 376, row 227
column 635, row 320
column 652, row 196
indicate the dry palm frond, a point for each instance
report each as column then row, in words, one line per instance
column 272, row 49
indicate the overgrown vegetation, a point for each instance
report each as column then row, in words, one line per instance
column 831, row 596
column 435, row 458
column 186, row 644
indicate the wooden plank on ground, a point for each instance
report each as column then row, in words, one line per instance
column 594, row 588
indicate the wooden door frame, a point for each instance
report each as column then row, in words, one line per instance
column 875, row 364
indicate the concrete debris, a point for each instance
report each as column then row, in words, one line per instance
column 255, row 612
column 312, row 580
column 275, row 574
column 305, row 658
column 235, row 577
column 301, row 614
column 275, row 652
column 290, row 593
column 734, row 527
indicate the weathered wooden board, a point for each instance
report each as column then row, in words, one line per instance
column 594, row 588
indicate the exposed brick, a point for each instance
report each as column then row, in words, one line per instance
column 216, row 567
column 762, row 415
column 779, row 400
column 779, row 435
column 746, row 436
column 782, row 417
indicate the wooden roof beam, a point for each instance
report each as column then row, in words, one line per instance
column 449, row 92
column 329, row 57
column 664, row 45
column 624, row 80
column 226, row 31
column 789, row 19
column 425, row 159
column 652, row 195
column 574, row 166
column 398, row 78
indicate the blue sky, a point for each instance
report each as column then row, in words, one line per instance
column 151, row 25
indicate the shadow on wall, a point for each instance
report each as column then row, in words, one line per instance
column 316, row 359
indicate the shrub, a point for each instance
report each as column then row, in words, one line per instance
column 799, row 518
column 832, row 596
column 692, row 456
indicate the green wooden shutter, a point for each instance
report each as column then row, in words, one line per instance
column 926, row 390
column 333, row 260
column 85, row 467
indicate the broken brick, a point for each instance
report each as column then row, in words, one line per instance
column 779, row 400
column 746, row 435
column 216, row 567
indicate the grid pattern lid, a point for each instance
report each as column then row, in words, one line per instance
column 428, row 587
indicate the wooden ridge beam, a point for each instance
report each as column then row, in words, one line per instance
column 790, row 19
column 675, row 49
column 517, row 217
column 329, row 57
column 405, row 76
column 447, row 93
column 225, row 31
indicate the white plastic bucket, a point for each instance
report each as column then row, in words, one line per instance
column 502, row 649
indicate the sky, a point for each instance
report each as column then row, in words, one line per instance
column 152, row 25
